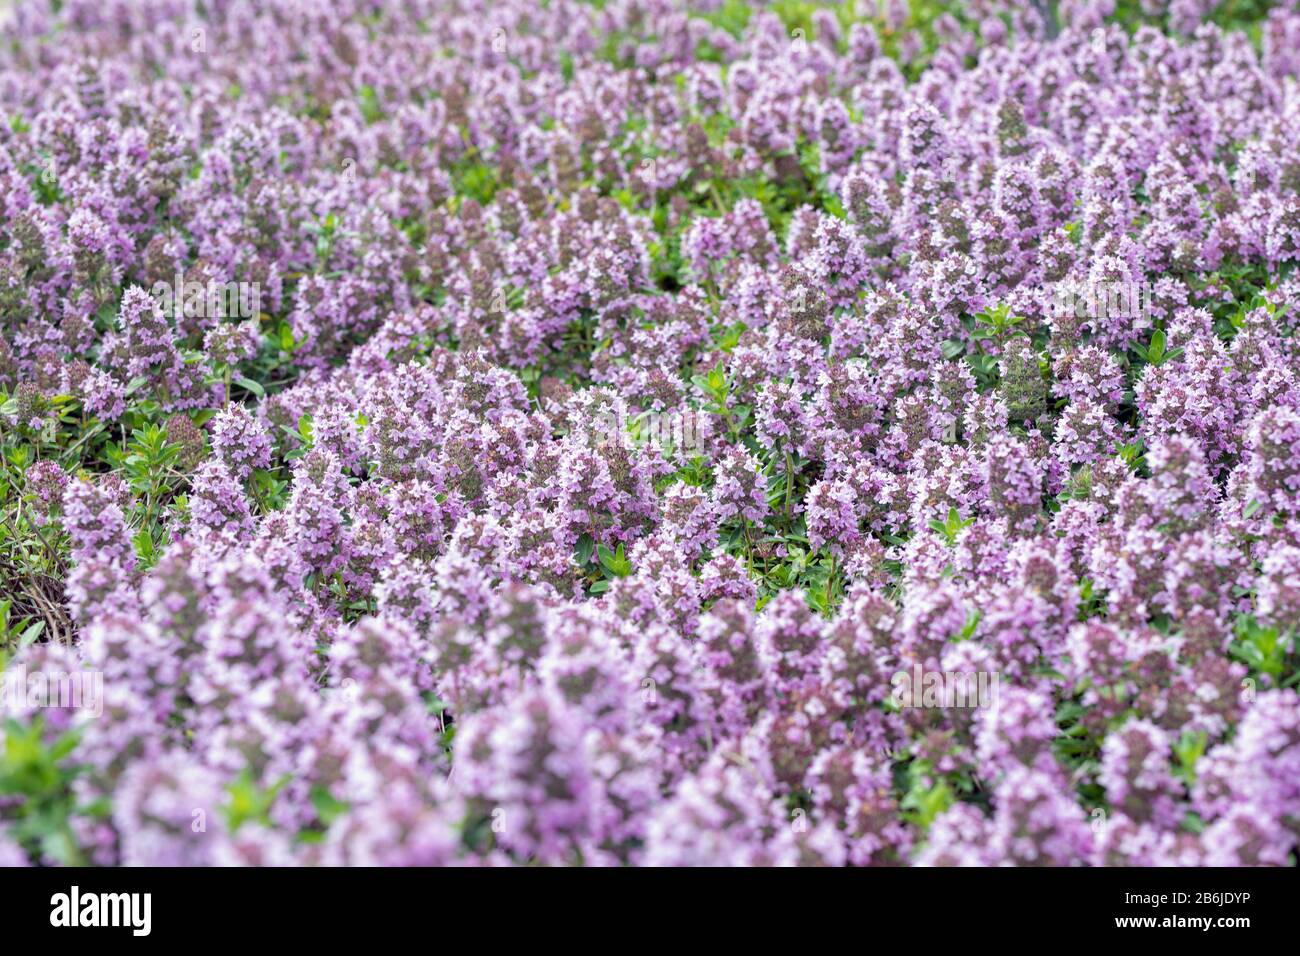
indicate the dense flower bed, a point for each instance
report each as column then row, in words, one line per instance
column 478, row 431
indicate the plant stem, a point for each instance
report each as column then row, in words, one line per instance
column 789, row 483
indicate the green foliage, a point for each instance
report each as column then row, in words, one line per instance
column 951, row 526
column 1266, row 651
column 1155, row 352
column 36, row 773
column 613, row 564
column 14, row 632
column 250, row 802
column 928, row 795
column 1187, row 751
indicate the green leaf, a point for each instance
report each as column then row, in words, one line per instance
column 605, row 555
column 31, row 634
column 1156, row 350
column 143, row 542
column 250, row 385
column 615, row 563
column 328, row 809
column 64, row 745
column 371, row 111
column 1189, row 749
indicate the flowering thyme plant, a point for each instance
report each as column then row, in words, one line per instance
column 650, row 433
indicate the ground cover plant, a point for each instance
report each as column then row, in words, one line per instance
column 636, row 432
